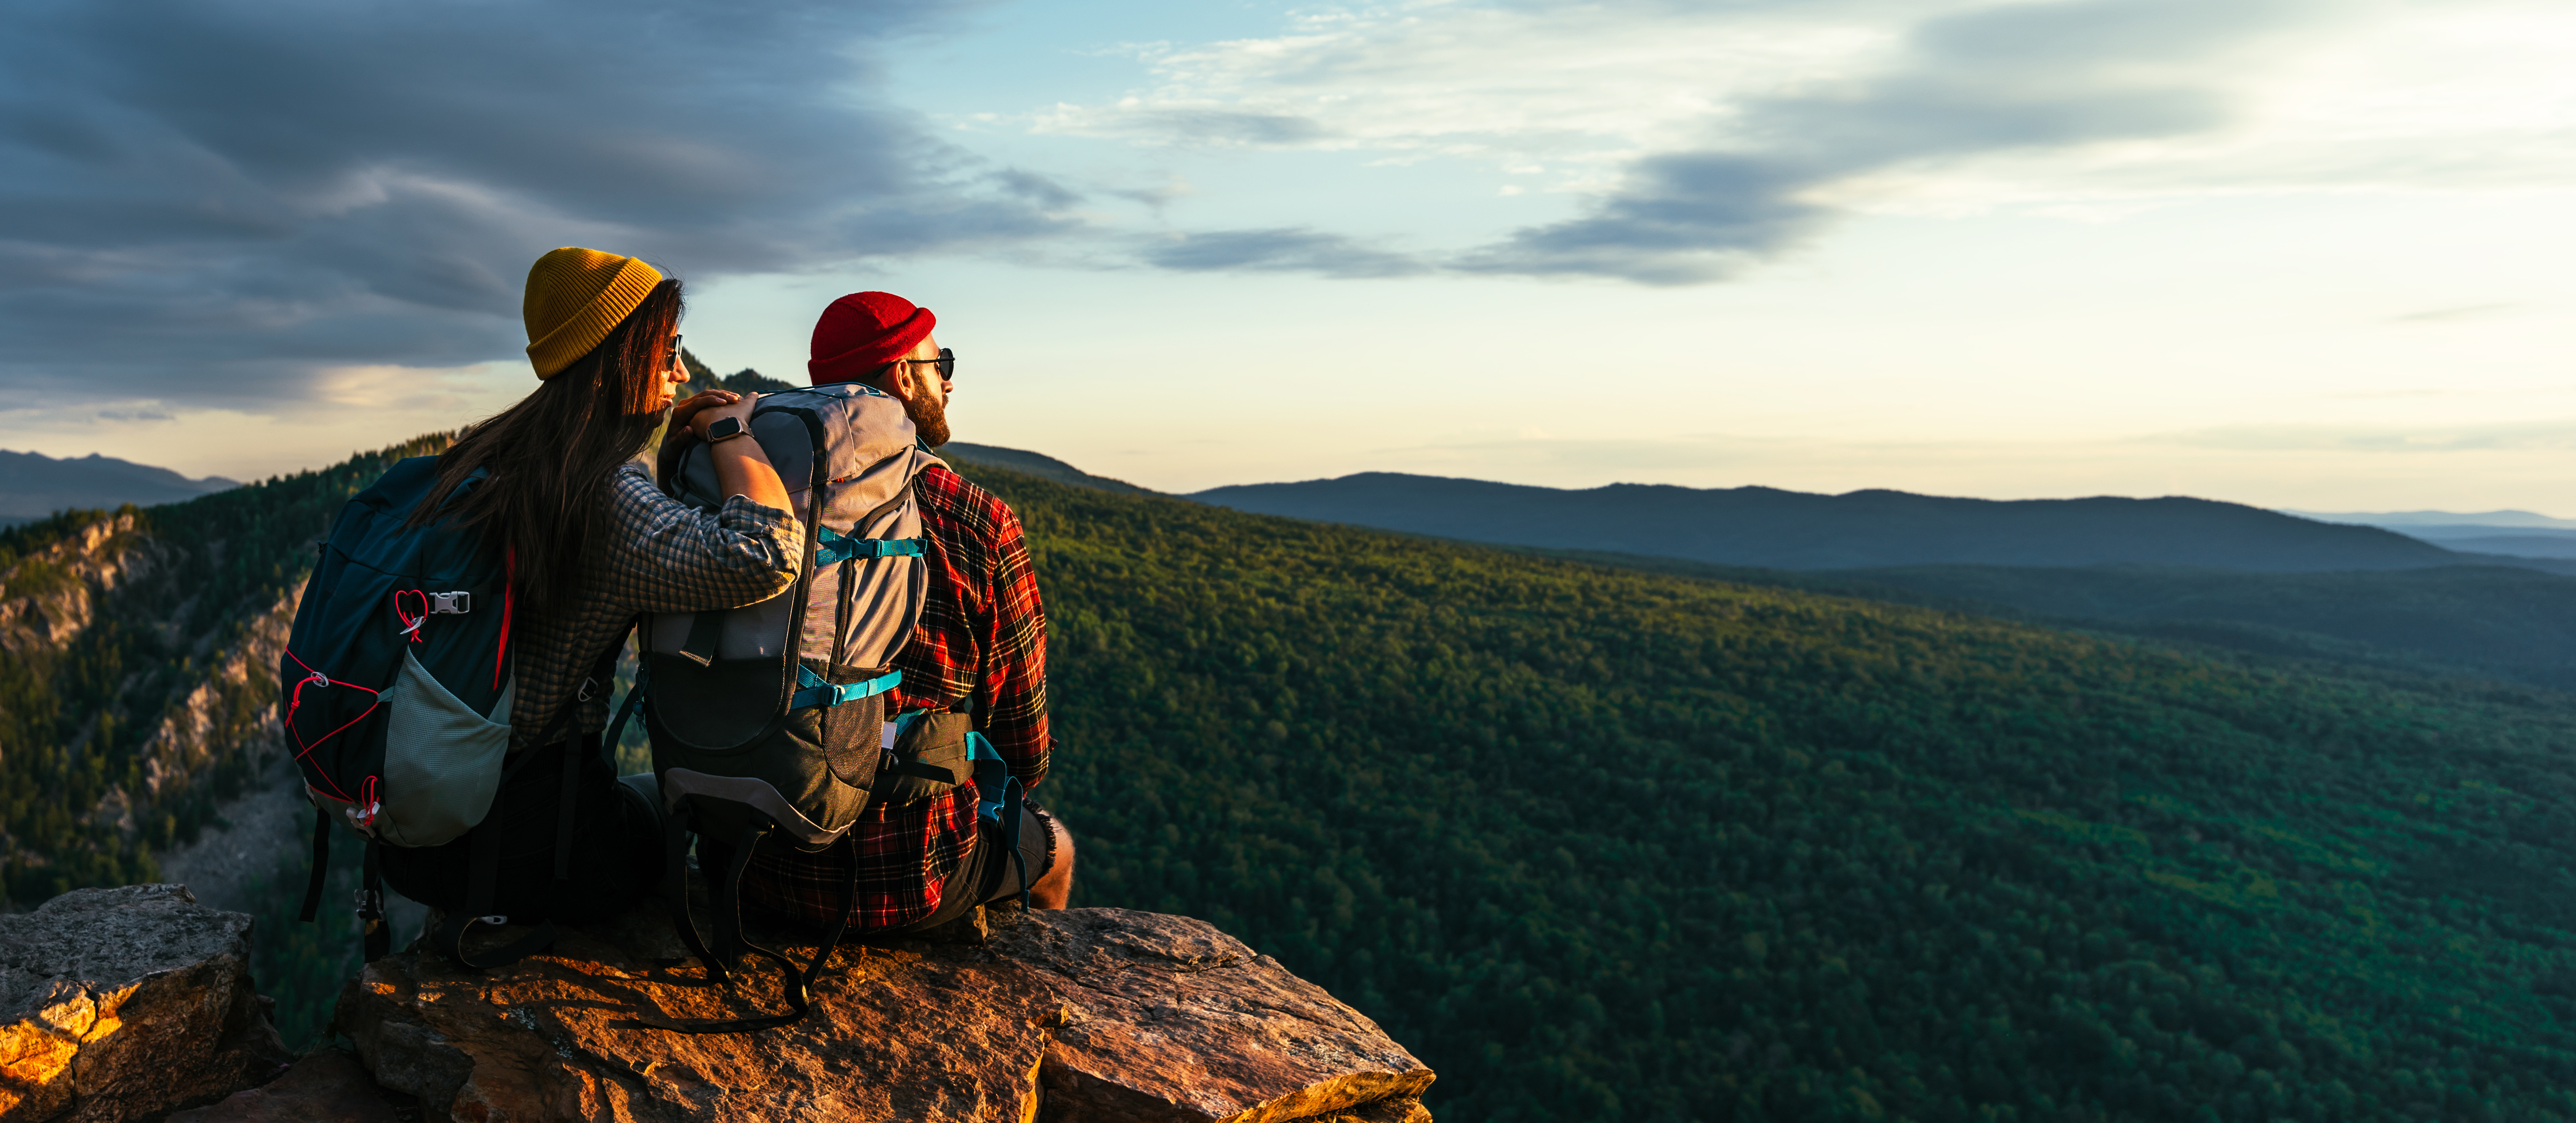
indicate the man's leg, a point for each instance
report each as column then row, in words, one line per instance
column 1055, row 887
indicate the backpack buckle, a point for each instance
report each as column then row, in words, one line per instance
column 589, row 687
column 371, row 904
column 456, row 602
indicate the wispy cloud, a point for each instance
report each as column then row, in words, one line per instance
column 1283, row 250
column 2555, row 434
column 2442, row 315
column 2021, row 76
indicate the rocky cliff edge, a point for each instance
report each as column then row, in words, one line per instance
column 129, row 1003
column 124, row 1003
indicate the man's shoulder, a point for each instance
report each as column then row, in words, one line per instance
column 952, row 502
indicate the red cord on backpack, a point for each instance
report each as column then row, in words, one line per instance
column 509, row 600
column 316, row 678
column 411, row 624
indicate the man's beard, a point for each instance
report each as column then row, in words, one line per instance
column 929, row 420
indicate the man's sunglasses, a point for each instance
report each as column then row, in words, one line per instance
column 947, row 361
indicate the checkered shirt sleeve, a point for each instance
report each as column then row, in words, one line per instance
column 666, row 556
column 648, row 553
column 983, row 630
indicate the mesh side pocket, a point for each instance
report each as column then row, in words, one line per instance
column 442, row 760
column 852, row 738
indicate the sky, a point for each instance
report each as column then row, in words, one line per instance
column 2293, row 253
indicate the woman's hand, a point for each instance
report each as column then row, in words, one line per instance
column 687, row 408
column 736, row 406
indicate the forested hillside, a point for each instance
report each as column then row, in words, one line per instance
column 1604, row 844
column 126, row 708
column 1609, row 845
column 2476, row 620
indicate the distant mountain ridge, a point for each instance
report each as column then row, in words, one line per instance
column 34, row 485
column 1037, row 464
column 2490, row 520
column 2516, row 533
column 1773, row 528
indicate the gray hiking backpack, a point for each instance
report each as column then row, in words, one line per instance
column 770, row 718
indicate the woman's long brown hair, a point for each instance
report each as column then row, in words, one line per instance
column 551, row 455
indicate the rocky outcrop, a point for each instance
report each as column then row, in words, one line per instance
column 1077, row 1016
column 210, row 693
column 47, row 597
column 133, row 1003
column 232, row 710
column 121, row 1004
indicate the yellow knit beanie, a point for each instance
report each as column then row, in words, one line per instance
column 575, row 298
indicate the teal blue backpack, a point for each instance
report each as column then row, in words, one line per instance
column 394, row 692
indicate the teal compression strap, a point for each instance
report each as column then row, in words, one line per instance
column 997, row 800
column 813, row 691
column 991, row 776
column 831, row 547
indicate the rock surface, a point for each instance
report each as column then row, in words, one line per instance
column 1076, row 1016
column 326, row 1087
column 126, row 1003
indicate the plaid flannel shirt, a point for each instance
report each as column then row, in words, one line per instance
column 982, row 635
column 647, row 553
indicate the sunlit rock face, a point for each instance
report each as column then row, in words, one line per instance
column 135, row 1003
column 125, row 1004
column 1076, row 1016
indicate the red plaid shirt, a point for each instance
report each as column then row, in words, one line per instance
column 982, row 631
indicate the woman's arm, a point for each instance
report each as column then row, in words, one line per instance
column 662, row 555
column 742, row 467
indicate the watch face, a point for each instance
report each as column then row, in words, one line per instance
column 724, row 427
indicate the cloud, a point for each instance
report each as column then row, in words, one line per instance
column 140, row 412
column 1679, row 219
column 1691, row 140
column 213, row 201
column 2446, row 315
column 2556, row 435
column 1281, row 250
column 1216, row 126
column 2020, row 76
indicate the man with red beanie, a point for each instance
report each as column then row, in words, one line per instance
column 982, row 637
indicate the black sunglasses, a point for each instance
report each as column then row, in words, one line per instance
column 947, row 361
column 673, row 359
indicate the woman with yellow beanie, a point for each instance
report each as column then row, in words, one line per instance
column 590, row 543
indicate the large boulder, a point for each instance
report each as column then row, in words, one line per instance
column 1075, row 1016
column 121, row 1004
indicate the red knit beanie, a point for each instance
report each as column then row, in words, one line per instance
column 863, row 331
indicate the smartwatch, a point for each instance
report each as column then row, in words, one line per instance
column 725, row 429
